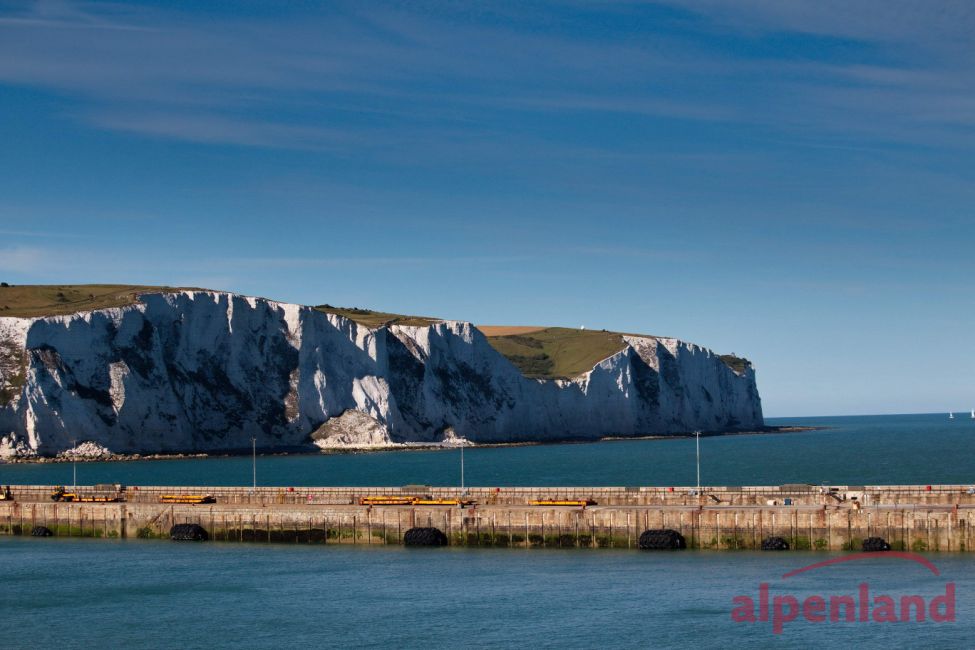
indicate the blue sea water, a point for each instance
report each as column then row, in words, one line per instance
column 872, row 450
column 137, row 593
column 71, row 593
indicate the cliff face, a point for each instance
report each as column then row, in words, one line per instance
column 206, row 371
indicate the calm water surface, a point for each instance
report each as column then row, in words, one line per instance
column 102, row 593
column 853, row 451
column 134, row 593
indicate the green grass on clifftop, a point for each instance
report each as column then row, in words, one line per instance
column 541, row 353
column 738, row 364
column 371, row 318
column 557, row 352
column 35, row 300
column 562, row 353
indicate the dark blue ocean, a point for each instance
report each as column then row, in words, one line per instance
column 871, row 450
column 73, row 593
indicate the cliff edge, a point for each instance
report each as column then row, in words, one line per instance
column 191, row 370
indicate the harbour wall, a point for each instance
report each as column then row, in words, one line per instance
column 914, row 518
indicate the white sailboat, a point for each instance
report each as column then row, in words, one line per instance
column 973, row 414
column 951, row 416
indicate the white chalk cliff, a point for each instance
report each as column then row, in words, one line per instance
column 206, row 371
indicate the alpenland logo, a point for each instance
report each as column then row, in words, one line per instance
column 862, row 606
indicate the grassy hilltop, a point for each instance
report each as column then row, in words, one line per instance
column 539, row 352
column 554, row 352
column 33, row 300
column 371, row 318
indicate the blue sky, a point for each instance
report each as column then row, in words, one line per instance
column 789, row 181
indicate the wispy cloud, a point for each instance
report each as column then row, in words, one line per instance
column 44, row 234
column 310, row 83
column 351, row 262
column 23, row 259
column 935, row 23
column 216, row 128
column 74, row 261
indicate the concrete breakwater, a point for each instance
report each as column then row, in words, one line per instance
column 916, row 518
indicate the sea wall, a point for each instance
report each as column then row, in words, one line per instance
column 909, row 518
column 208, row 371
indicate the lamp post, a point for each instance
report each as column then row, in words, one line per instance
column 74, row 463
column 462, row 445
column 254, row 463
column 697, row 436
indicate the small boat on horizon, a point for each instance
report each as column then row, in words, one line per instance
column 973, row 414
column 951, row 416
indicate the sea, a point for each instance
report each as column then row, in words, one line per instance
column 83, row 593
column 850, row 450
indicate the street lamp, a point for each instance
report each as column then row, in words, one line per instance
column 697, row 436
column 254, row 463
column 462, row 445
column 74, row 463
